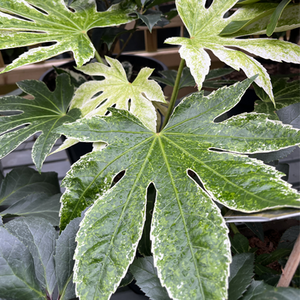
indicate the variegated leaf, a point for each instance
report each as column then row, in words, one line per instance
column 205, row 26
column 30, row 22
column 189, row 236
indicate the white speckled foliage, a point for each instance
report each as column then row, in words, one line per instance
column 30, row 22
column 205, row 25
column 190, row 246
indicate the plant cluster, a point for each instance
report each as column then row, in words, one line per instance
column 156, row 186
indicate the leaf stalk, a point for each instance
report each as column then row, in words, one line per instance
column 174, row 93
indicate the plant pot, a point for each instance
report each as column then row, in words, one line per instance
column 138, row 62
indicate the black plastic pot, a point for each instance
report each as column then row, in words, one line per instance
column 138, row 62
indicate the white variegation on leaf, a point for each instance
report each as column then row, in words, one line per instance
column 205, row 25
column 116, row 90
column 30, row 22
column 189, row 237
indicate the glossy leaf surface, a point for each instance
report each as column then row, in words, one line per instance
column 189, row 236
column 29, row 22
column 36, row 205
column 241, row 273
column 39, row 236
column 29, row 269
column 285, row 93
column 205, row 25
column 262, row 291
column 23, row 182
column 64, row 252
column 44, row 113
column 17, row 280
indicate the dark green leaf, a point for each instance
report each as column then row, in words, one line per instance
column 46, row 112
column 241, row 273
column 146, row 278
column 261, row 271
column 187, row 79
column 189, row 236
column 289, row 237
column 18, row 280
column 36, row 205
column 64, row 252
column 110, row 34
column 150, row 18
column 261, row 291
column 276, row 15
column 267, row 258
column 128, row 278
column 285, row 94
column 257, row 229
column 290, row 115
column 39, row 237
column 239, row 244
column 22, row 182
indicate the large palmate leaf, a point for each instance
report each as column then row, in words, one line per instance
column 189, row 236
column 46, row 112
column 204, row 27
column 29, row 22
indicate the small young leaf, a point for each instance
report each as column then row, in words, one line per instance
column 46, row 112
column 18, row 279
column 141, row 92
column 259, row 290
column 241, row 273
column 150, row 18
column 39, row 237
column 64, row 252
column 23, row 182
column 24, row 23
column 146, row 278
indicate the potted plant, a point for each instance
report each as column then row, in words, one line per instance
column 159, row 187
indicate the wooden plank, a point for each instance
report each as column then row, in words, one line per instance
column 150, row 40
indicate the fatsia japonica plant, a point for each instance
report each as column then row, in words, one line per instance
column 192, row 162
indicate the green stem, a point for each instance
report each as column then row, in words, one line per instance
column 99, row 58
column 174, row 93
column 234, row 228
